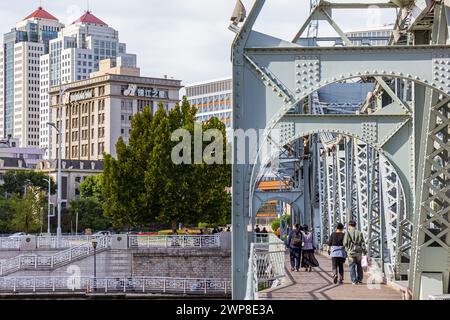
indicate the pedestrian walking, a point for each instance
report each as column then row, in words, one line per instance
column 294, row 244
column 257, row 233
column 337, row 252
column 355, row 246
column 264, row 234
column 309, row 261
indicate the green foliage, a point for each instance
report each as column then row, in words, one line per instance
column 276, row 223
column 26, row 212
column 92, row 187
column 203, row 225
column 90, row 214
column 144, row 185
column 6, row 213
column 16, row 180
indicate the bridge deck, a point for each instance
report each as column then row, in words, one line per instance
column 318, row 285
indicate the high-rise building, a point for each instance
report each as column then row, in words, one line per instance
column 95, row 112
column 371, row 36
column 212, row 99
column 73, row 55
column 19, row 75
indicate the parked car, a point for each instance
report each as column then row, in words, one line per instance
column 17, row 235
column 102, row 233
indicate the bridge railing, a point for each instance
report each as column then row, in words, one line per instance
column 48, row 242
column 30, row 262
column 45, row 242
column 153, row 285
column 187, row 241
column 266, row 264
column 9, row 243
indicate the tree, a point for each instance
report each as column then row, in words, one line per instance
column 125, row 199
column 27, row 210
column 144, row 184
column 6, row 213
column 92, row 187
column 16, row 180
column 276, row 223
column 90, row 214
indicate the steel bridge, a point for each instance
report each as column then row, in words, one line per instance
column 383, row 162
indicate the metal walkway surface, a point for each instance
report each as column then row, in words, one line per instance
column 318, row 285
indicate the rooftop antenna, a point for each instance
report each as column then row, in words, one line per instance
column 40, row 3
column 87, row 5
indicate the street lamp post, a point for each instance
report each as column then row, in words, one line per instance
column 76, row 223
column 49, row 215
column 59, row 179
column 94, row 245
column 42, row 218
column 27, row 183
column 59, row 182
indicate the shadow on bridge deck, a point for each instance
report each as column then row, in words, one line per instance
column 318, row 285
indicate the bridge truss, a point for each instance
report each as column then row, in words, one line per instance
column 386, row 165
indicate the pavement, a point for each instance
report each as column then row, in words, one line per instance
column 318, row 285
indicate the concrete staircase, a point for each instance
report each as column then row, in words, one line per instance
column 51, row 262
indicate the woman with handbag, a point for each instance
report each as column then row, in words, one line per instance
column 309, row 261
column 337, row 252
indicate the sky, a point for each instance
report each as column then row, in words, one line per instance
column 188, row 39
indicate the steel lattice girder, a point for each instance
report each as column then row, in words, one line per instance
column 362, row 165
column 398, row 226
column 374, row 239
column 279, row 74
column 323, row 199
column 342, row 185
column 330, row 179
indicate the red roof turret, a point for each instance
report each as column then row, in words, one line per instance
column 88, row 17
column 40, row 13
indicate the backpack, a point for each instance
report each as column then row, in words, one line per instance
column 296, row 239
column 355, row 247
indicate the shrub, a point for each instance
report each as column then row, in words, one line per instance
column 276, row 223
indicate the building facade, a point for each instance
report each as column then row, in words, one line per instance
column 212, row 99
column 73, row 55
column 371, row 36
column 31, row 156
column 97, row 111
column 19, row 75
column 73, row 173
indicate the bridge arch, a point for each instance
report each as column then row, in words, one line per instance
column 401, row 167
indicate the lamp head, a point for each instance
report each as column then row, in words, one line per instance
column 94, row 243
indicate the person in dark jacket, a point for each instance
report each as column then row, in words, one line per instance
column 294, row 244
column 355, row 246
column 337, row 252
